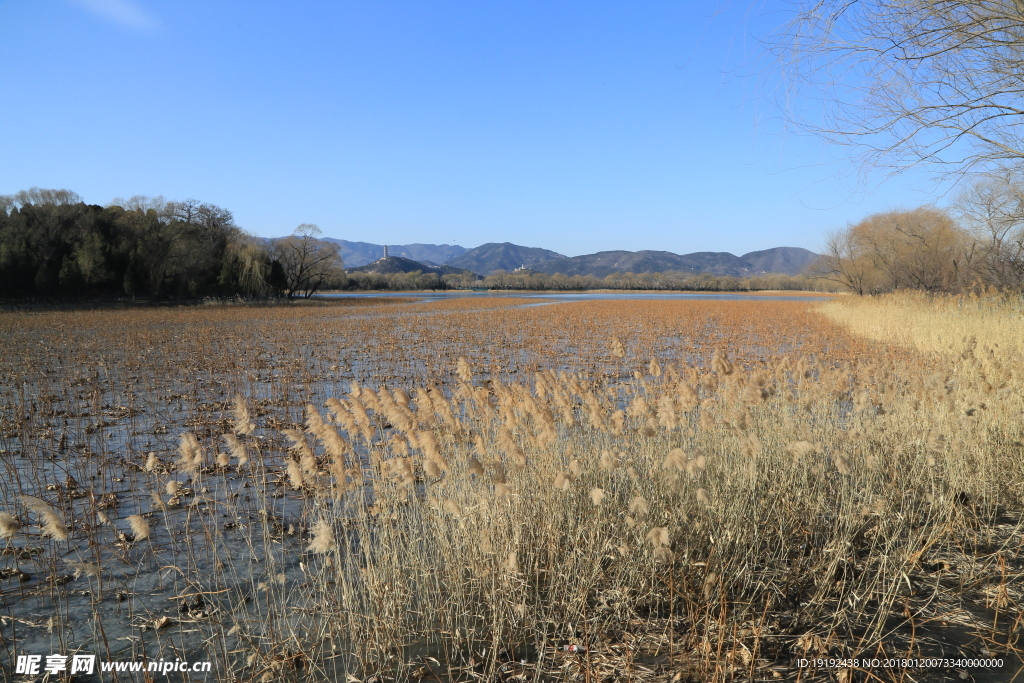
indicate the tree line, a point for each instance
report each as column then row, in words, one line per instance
column 535, row 281
column 52, row 244
column 977, row 243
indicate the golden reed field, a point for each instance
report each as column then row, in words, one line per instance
column 485, row 490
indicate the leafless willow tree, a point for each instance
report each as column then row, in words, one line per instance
column 308, row 262
column 922, row 249
column 992, row 211
column 909, row 81
column 845, row 262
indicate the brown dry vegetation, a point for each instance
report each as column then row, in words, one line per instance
column 684, row 490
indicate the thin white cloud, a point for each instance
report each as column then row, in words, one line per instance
column 127, row 13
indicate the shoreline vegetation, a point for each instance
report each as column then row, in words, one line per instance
column 54, row 247
column 685, row 282
column 596, row 490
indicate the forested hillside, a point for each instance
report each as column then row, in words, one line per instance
column 52, row 244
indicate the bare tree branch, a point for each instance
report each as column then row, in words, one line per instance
column 909, row 82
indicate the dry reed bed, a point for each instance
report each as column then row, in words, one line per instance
column 935, row 324
column 479, row 489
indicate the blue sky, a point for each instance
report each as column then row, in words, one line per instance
column 576, row 127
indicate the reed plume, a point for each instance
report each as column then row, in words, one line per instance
column 314, row 420
column 675, row 460
column 753, row 395
column 720, row 363
column 463, row 371
column 237, row 449
column 323, row 537
column 687, row 397
column 53, row 524
column 508, row 444
column 511, row 563
column 667, row 418
column 307, row 459
column 617, row 349
column 608, row 461
column 658, row 536
column 638, row 408
column 81, row 568
column 427, row 442
column 618, row 422
column 842, row 464
column 935, row 443
column 639, row 506
column 432, row 469
column 451, row 507
column 140, row 527
column 800, row 449
column 243, row 422
column 696, row 466
column 294, row 472
column 402, row 469
column 9, row 525
column 190, row 460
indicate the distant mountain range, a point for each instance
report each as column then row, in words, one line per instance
column 785, row 260
column 607, row 262
column 789, row 260
column 400, row 264
column 357, row 254
column 494, row 256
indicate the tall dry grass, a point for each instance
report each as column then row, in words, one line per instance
column 858, row 479
column 941, row 324
column 590, row 492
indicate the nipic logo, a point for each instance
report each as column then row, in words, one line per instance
column 55, row 664
column 33, row 665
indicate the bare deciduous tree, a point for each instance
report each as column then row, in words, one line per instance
column 920, row 249
column 308, row 263
column 992, row 210
column 844, row 261
column 909, row 81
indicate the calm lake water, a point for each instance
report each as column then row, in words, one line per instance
column 552, row 297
